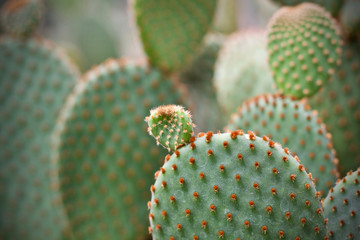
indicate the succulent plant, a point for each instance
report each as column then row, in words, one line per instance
column 333, row 6
column 234, row 186
column 304, row 49
column 20, row 18
column 35, row 79
column 197, row 77
column 338, row 104
column 241, row 70
column 105, row 156
column 342, row 208
column 297, row 127
column 171, row 30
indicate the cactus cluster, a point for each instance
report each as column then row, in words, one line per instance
column 304, row 48
column 78, row 157
column 294, row 125
column 105, row 156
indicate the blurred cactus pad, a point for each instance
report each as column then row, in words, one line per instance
column 172, row 30
column 304, row 48
column 20, row 18
column 106, row 158
column 332, row 6
column 241, row 70
column 338, row 103
column 35, row 79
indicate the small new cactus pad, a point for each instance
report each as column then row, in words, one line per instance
column 350, row 17
column 332, row 6
column 304, row 49
column 20, row 18
column 35, row 79
column 338, row 104
column 234, row 186
column 172, row 30
column 202, row 97
column 294, row 125
column 241, row 70
column 342, row 208
column 106, row 157
column 170, row 125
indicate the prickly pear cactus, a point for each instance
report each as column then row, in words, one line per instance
column 304, row 49
column 172, row 30
column 338, row 104
column 106, row 158
column 199, row 192
column 35, row 79
column 294, row 125
column 332, row 6
column 170, row 125
column 342, row 208
column 241, row 70
column 202, row 97
column 20, row 18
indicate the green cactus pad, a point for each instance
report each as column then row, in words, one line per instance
column 332, row 6
column 234, row 186
column 304, row 49
column 106, row 157
column 172, row 30
column 241, row 70
column 20, row 18
column 342, row 208
column 338, row 104
column 350, row 17
column 202, row 97
column 35, row 79
column 170, row 125
column 297, row 127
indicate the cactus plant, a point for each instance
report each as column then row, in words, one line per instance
column 20, row 18
column 333, row 6
column 199, row 192
column 339, row 106
column 294, row 125
column 171, row 30
column 241, row 70
column 105, row 156
column 342, row 208
column 304, row 49
column 34, row 82
column 202, row 97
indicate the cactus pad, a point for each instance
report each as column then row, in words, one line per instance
column 21, row 17
column 105, row 154
column 304, row 49
column 241, row 70
column 170, row 125
column 332, row 6
column 342, row 208
column 200, row 191
column 294, row 125
column 35, row 79
column 338, row 104
column 172, row 30
column 350, row 17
